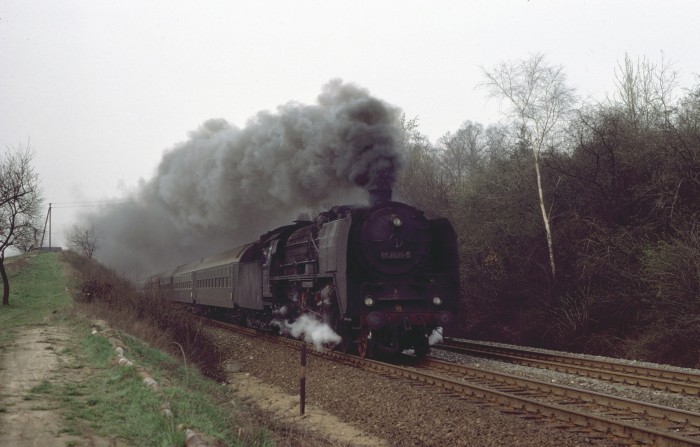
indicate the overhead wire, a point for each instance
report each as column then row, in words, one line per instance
column 65, row 205
column 86, row 204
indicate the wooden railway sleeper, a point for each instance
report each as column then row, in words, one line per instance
column 590, row 421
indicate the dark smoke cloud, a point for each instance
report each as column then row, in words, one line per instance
column 226, row 185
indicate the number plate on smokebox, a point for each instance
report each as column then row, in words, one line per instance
column 395, row 255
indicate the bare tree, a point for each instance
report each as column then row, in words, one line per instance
column 463, row 153
column 20, row 204
column 539, row 101
column 29, row 240
column 83, row 240
column 421, row 182
column 645, row 91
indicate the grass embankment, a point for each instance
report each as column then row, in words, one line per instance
column 37, row 290
column 98, row 397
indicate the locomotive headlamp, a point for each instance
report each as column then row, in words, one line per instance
column 437, row 300
column 397, row 222
column 369, row 301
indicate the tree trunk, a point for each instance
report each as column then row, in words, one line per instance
column 545, row 217
column 5, row 283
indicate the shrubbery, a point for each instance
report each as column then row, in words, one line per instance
column 163, row 324
column 621, row 187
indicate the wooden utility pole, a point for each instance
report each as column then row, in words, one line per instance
column 302, row 381
column 47, row 223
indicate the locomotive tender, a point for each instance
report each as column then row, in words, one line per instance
column 383, row 276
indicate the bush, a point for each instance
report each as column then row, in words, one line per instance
column 672, row 342
column 144, row 314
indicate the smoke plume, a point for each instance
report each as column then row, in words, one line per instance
column 226, row 185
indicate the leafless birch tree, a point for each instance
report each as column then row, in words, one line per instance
column 538, row 100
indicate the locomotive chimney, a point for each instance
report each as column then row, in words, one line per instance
column 377, row 196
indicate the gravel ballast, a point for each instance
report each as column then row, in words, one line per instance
column 399, row 412
column 679, row 401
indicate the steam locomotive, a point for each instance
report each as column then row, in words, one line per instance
column 383, row 276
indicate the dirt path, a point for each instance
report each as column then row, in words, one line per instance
column 25, row 419
column 282, row 406
column 37, row 355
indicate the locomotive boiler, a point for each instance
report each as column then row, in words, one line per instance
column 383, row 276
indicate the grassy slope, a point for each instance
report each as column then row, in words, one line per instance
column 37, row 290
column 110, row 400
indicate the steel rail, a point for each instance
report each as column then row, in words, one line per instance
column 613, row 371
column 528, row 404
column 515, row 397
column 643, row 409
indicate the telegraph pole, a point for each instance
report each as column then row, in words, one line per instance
column 48, row 221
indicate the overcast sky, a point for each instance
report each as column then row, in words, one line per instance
column 100, row 89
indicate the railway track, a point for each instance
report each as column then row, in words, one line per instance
column 601, row 416
column 673, row 381
column 642, row 421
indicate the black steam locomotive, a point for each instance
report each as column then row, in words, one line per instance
column 383, row 276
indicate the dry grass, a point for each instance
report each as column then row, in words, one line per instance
column 171, row 328
column 102, row 294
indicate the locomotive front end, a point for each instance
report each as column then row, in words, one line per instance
column 404, row 280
